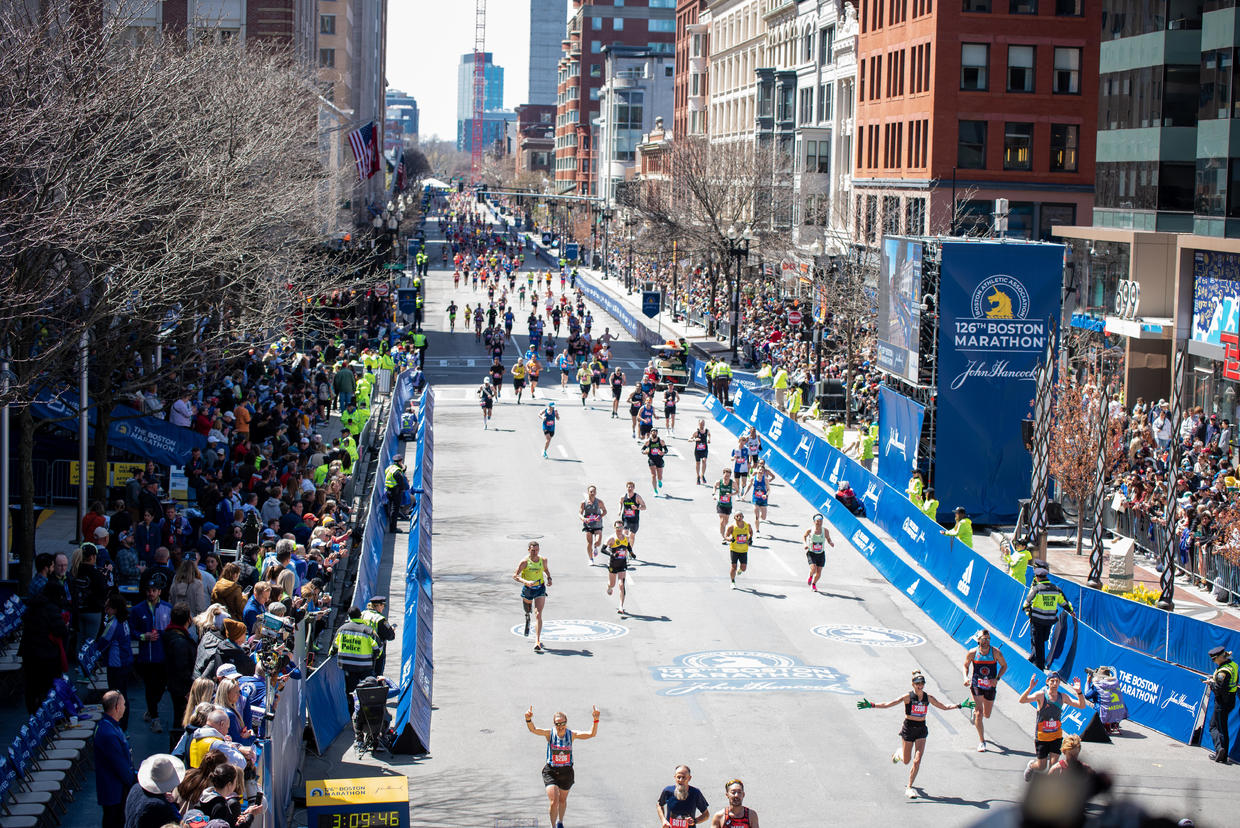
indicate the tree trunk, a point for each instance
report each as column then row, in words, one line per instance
column 103, row 421
column 23, row 541
column 1080, row 528
column 848, row 376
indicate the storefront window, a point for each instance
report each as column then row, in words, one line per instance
column 1210, row 390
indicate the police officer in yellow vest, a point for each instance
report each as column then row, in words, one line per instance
column 1224, row 684
column 1042, row 604
column 723, row 382
column 352, row 419
column 373, row 617
column 418, row 302
column 357, row 647
column 396, row 484
column 422, row 260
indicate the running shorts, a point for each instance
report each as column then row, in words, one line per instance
column 585, row 387
column 518, row 383
column 759, row 500
column 530, row 593
column 616, row 392
column 586, row 528
column 618, row 565
column 669, row 409
column 631, row 524
column 562, row 778
column 740, row 558
column 913, row 730
column 655, row 462
column 633, row 409
column 816, row 558
column 1045, row 749
column 699, row 454
column 723, row 508
column 643, row 429
column 550, row 431
column 988, row 694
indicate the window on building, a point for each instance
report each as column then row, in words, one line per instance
column 327, row 58
column 1067, row 71
column 594, row 93
column 974, row 66
column 1054, row 215
column 891, row 215
column 1020, row 69
column 824, row 101
column 976, row 6
column 971, row 145
column 806, row 114
column 695, row 48
column 811, row 156
column 787, row 100
column 596, row 46
column 914, row 216
column 1216, row 84
column 661, row 4
column 596, row 24
column 1064, row 138
column 327, row 24
column 1069, row 8
column 655, row 24
column 1023, row 6
column 1017, row 146
column 617, row 24
column 826, row 46
column 596, row 70
column 824, row 156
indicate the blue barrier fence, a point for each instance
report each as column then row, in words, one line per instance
column 327, row 704
column 412, row 722
column 1162, row 696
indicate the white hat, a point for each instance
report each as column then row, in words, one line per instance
column 161, row 773
column 101, row 533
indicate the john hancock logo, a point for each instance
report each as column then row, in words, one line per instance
column 997, row 332
column 747, row 671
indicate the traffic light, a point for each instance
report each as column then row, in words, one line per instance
column 482, row 195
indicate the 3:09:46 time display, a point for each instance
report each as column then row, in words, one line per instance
column 364, row 819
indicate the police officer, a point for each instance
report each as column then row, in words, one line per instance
column 418, row 303
column 356, row 647
column 396, row 483
column 373, row 617
column 1223, row 683
column 723, row 373
column 1042, row 605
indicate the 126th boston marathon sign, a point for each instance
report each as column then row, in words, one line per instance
column 999, row 302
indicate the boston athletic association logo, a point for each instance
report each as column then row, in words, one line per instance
column 996, row 333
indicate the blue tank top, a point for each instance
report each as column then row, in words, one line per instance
column 548, row 419
column 560, row 751
column 759, row 485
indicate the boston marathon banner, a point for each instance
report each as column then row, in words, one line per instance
column 995, row 299
column 899, row 431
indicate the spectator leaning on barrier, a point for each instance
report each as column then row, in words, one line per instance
column 963, row 530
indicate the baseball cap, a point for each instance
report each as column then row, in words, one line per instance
column 225, row 671
column 101, row 533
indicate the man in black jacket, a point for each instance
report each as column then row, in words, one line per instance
column 90, row 588
column 180, row 652
column 42, row 648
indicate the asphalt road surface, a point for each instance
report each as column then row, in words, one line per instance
column 759, row 683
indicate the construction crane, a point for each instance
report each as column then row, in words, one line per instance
column 480, row 46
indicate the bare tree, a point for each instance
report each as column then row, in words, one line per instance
column 1074, row 444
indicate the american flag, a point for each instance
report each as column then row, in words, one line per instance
column 365, row 143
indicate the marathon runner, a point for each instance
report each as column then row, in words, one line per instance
column 645, row 418
column 597, row 374
column 761, row 479
column 534, row 576
column 1048, row 727
column 469, row 312
column 557, row 774
column 532, row 369
column 815, row 552
column 584, row 382
column 592, row 512
column 478, row 323
column 518, row 378
column 913, row 733
column 740, row 467
column 631, row 507
column 497, row 375
column 616, row 379
column 486, row 399
column 723, row 501
column 452, row 315
column 984, row 665
column 753, row 445
column 635, row 406
column 562, row 362
column 701, row 447
column 682, row 805
column 654, row 448
column 549, row 416
column 618, row 551
column 736, row 815
column 670, row 397
column 738, row 536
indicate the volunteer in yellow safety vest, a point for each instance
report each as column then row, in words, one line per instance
column 356, row 647
column 1224, row 684
column 963, row 530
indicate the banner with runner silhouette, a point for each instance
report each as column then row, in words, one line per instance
column 899, row 431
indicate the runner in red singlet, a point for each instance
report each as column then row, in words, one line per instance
column 736, row 815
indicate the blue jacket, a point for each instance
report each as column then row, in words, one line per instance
column 252, row 611
column 114, row 770
column 114, row 644
column 144, row 619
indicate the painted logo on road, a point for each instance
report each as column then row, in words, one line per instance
column 868, row 636
column 747, row 671
column 576, row 629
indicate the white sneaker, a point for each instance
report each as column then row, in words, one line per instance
column 1028, row 771
column 734, row 585
column 910, row 793
column 981, row 747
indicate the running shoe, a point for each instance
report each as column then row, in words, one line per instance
column 544, row 452
column 981, row 747
column 1028, row 770
column 895, row 758
column 734, row 585
column 609, row 590
column 910, row 793
column 538, row 648
column 814, row 587
column 810, row 580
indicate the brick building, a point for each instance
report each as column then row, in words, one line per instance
column 984, row 98
column 534, row 144
column 692, row 41
column 648, row 24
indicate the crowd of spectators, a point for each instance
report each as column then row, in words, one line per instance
column 1206, row 484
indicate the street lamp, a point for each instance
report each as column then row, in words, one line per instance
column 737, row 241
column 815, row 250
column 606, row 240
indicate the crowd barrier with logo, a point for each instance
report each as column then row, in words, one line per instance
column 1166, row 697
column 412, row 721
column 327, row 703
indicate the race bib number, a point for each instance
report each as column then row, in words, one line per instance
column 985, row 683
column 725, row 498
column 1049, row 725
column 700, row 446
column 629, row 511
column 742, row 540
column 918, row 709
column 815, row 547
column 680, row 822
column 561, row 759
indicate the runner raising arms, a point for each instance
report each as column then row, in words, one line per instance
column 592, row 511
column 984, row 665
column 549, row 415
column 1048, row 729
column 534, row 575
column 815, row 552
column 557, row 774
column 723, row 502
column 654, row 448
column 739, row 535
column 618, row 551
column 701, row 447
column 631, row 508
column 913, row 733
column 736, row 815
column 761, row 478
column 616, row 379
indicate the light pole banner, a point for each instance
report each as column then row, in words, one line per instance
column 995, row 300
column 899, row 431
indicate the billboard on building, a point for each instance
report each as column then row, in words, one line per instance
column 899, row 306
column 1216, row 295
column 997, row 302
